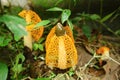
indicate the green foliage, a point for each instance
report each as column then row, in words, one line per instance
column 15, row 25
column 38, row 45
column 117, row 32
column 3, row 71
column 55, row 9
column 105, row 18
column 4, row 40
column 87, row 31
column 18, row 66
column 52, row 75
column 85, row 20
column 95, row 17
column 65, row 15
column 42, row 23
column 86, row 16
column 71, row 72
column 70, row 24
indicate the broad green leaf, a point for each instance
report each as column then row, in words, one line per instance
column 86, row 30
column 94, row 16
column 55, row 9
column 3, row 71
column 15, row 24
column 107, row 17
column 70, row 24
column 42, row 23
column 65, row 15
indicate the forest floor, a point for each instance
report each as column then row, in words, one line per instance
column 84, row 70
column 110, row 70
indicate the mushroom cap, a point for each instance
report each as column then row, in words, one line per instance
column 32, row 19
column 102, row 50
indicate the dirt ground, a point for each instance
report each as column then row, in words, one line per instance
column 110, row 70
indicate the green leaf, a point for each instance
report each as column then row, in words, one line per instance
column 42, row 23
column 15, row 24
column 55, row 9
column 3, row 71
column 94, row 17
column 107, row 17
column 71, row 72
column 70, row 24
column 65, row 15
column 76, row 19
column 4, row 41
column 41, row 47
column 17, row 69
column 117, row 32
column 87, row 31
column 18, row 57
column 35, row 46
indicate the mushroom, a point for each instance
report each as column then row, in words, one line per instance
column 33, row 34
column 60, row 49
column 104, row 52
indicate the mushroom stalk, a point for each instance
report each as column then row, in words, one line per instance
column 28, row 40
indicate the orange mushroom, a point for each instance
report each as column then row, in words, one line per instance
column 31, row 19
column 60, row 49
column 104, row 52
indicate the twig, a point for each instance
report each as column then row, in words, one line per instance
column 113, row 60
column 94, row 56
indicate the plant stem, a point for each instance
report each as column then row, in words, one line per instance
column 113, row 60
